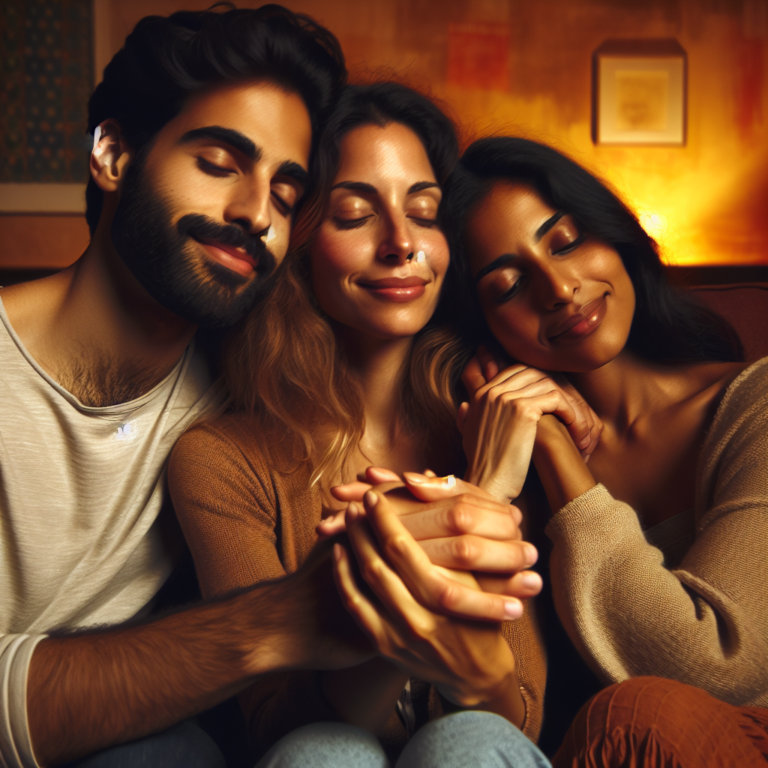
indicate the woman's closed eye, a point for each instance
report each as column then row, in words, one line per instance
column 507, row 286
column 423, row 211
column 566, row 237
column 351, row 221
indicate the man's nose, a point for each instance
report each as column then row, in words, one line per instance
column 249, row 206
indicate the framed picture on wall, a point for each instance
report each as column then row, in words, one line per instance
column 639, row 93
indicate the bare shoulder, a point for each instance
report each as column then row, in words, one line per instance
column 29, row 305
column 708, row 382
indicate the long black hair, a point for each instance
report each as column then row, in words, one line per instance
column 166, row 60
column 668, row 324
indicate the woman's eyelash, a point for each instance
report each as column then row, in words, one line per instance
column 424, row 222
column 511, row 292
column 351, row 223
column 571, row 246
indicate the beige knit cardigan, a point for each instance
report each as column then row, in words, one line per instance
column 245, row 523
column 705, row 621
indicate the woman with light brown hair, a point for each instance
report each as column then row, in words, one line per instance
column 351, row 362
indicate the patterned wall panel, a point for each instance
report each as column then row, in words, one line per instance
column 46, row 62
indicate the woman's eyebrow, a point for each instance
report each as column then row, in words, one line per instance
column 495, row 264
column 419, row 186
column 547, row 225
column 355, row 186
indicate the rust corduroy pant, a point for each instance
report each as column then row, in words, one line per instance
column 650, row 722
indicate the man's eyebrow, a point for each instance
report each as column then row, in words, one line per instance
column 547, row 225
column 294, row 171
column 355, row 186
column 421, row 185
column 235, row 139
column 495, row 264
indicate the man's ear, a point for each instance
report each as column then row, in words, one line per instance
column 110, row 156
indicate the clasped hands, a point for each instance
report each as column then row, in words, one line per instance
column 439, row 563
column 500, row 421
column 454, row 546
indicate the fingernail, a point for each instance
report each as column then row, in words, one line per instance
column 531, row 553
column 584, row 442
column 531, row 580
column 513, row 610
column 371, row 499
column 353, row 510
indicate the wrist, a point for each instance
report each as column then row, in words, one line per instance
column 498, row 484
column 265, row 631
column 486, row 685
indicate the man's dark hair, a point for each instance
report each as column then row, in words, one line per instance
column 668, row 324
column 166, row 60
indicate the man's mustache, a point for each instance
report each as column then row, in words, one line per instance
column 202, row 228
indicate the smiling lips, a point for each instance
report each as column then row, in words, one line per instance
column 235, row 259
column 397, row 289
column 583, row 322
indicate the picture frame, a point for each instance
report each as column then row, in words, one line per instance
column 639, row 93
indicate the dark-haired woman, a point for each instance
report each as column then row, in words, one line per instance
column 660, row 541
column 341, row 367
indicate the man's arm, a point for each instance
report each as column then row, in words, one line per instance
column 90, row 691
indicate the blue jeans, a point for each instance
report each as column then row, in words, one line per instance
column 461, row 740
column 186, row 745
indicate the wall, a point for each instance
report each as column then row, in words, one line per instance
column 706, row 202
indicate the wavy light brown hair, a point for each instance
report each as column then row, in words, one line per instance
column 285, row 365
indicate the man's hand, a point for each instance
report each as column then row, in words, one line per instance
column 409, row 613
column 463, row 528
column 458, row 525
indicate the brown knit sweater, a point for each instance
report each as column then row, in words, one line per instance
column 246, row 523
column 705, row 621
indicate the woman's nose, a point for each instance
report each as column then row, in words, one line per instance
column 558, row 285
column 397, row 246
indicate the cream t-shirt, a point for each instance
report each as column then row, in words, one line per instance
column 81, row 489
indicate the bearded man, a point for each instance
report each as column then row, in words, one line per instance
column 203, row 131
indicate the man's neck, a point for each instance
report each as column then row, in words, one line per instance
column 95, row 330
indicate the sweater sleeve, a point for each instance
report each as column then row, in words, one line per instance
column 704, row 623
column 524, row 639
column 228, row 505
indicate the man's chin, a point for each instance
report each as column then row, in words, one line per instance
column 221, row 300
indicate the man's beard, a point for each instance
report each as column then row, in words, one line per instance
column 168, row 265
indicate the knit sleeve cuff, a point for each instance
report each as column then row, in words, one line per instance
column 595, row 508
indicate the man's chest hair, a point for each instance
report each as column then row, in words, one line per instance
column 98, row 381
